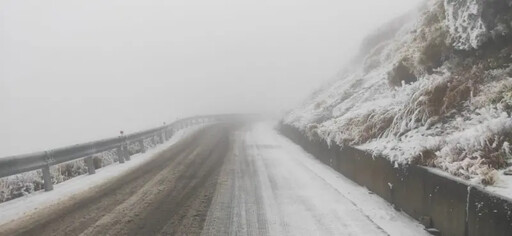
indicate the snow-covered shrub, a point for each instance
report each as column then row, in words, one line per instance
column 480, row 148
column 68, row 170
column 20, row 185
column 437, row 94
column 15, row 186
column 366, row 127
column 105, row 158
column 133, row 148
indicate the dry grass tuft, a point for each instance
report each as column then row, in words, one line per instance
column 426, row 158
column 366, row 127
column 436, row 100
column 435, row 52
column 462, row 85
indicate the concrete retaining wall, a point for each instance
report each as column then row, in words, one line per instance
column 437, row 200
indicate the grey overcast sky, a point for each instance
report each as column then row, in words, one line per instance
column 77, row 70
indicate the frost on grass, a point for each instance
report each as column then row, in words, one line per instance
column 438, row 93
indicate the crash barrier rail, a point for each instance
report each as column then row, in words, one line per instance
column 18, row 164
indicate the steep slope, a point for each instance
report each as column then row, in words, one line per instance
column 435, row 92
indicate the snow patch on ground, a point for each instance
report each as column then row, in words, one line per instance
column 302, row 185
column 503, row 186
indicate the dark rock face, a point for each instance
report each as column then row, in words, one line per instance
column 497, row 17
column 401, row 74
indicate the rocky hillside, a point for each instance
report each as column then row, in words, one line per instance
column 435, row 91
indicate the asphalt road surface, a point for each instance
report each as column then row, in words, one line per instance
column 225, row 179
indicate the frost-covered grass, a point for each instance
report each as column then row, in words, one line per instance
column 23, row 184
column 438, row 94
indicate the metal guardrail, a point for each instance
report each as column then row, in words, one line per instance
column 18, row 164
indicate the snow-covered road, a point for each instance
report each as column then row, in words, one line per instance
column 270, row 186
column 225, row 179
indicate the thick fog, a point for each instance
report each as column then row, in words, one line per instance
column 74, row 71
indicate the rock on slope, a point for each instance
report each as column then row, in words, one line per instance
column 438, row 93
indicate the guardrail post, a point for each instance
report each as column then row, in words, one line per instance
column 120, row 155
column 142, row 147
column 90, row 165
column 164, row 138
column 47, row 178
column 164, row 133
column 126, row 152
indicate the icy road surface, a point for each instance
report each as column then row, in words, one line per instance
column 224, row 180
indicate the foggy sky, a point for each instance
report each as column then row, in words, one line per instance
column 74, row 71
